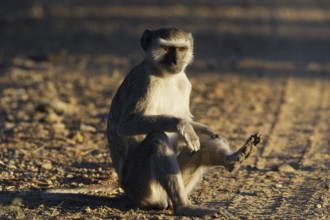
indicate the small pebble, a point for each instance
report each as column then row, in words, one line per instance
column 286, row 168
column 88, row 210
column 278, row 185
column 89, row 128
column 47, row 165
column 9, row 125
column 318, row 206
column 52, row 117
column 62, row 107
column 78, row 138
column 272, row 175
column 59, row 126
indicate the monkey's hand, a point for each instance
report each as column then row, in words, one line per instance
column 186, row 130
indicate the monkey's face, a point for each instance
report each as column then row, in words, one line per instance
column 169, row 50
column 172, row 59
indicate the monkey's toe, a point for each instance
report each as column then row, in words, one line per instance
column 256, row 138
column 235, row 160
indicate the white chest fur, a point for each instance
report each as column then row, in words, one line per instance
column 170, row 96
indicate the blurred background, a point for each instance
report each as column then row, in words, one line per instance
column 259, row 66
column 237, row 36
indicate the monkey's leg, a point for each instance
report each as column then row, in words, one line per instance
column 152, row 177
column 234, row 161
column 167, row 171
column 214, row 151
column 152, row 174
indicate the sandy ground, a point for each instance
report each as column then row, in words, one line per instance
column 259, row 66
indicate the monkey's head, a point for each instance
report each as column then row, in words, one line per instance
column 169, row 49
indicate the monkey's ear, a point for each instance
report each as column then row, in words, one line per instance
column 146, row 39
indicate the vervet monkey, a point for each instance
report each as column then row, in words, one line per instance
column 158, row 150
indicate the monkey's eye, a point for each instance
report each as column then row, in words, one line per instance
column 166, row 49
column 182, row 49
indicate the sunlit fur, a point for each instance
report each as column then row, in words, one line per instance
column 176, row 38
column 157, row 149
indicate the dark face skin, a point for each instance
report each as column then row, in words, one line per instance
column 173, row 59
column 170, row 58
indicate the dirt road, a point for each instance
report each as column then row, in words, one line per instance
column 258, row 67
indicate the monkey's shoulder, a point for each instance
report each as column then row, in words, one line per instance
column 134, row 83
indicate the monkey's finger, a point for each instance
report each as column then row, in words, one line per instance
column 188, row 142
column 190, row 145
column 195, row 144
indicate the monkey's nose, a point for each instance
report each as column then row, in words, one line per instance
column 174, row 58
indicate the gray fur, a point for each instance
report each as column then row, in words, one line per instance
column 158, row 151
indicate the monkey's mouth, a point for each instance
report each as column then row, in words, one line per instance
column 173, row 68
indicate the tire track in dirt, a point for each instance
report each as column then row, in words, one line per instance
column 245, row 113
column 248, row 186
column 293, row 136
column 315, row 147
column 297, row 120
column 291, row 143
column 317, row 155
column 265, row 150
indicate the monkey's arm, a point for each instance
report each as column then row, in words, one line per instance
column 203, row 129
column 134, row 99
column 138, row 125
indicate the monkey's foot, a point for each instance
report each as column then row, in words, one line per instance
column 195, row 211
column 235, row 160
